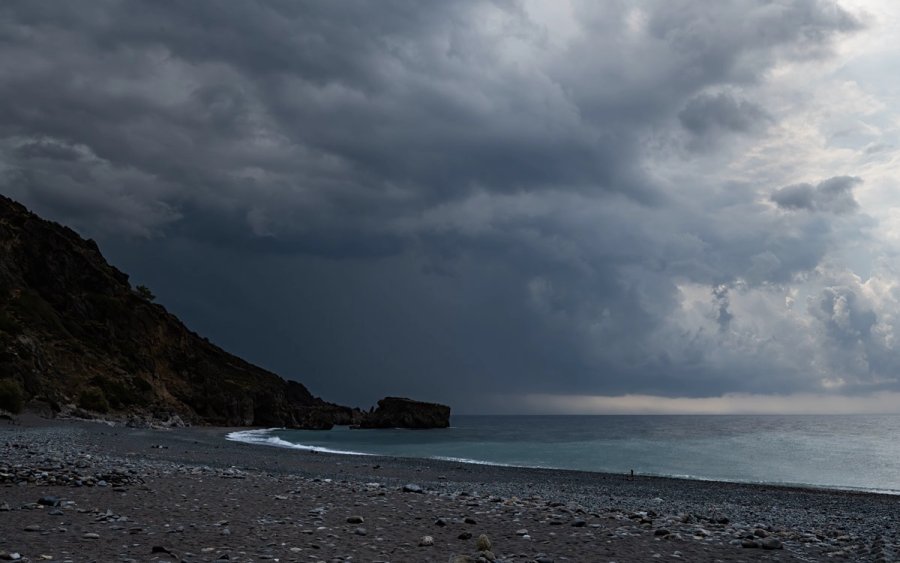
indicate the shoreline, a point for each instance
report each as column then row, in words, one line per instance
column 295, row 505
column 280, row 443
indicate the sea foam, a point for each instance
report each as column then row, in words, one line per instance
column 264, row 437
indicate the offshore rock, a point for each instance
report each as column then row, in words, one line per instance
column 397, row 412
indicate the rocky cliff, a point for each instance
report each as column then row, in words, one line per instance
column 73, row 331
column 397, row 412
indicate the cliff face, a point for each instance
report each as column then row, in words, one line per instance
column 74, row 331
column 396, row 412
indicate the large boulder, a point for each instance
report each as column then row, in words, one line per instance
column 398, row 412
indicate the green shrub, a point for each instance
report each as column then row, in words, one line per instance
column 12, row 398
column 93, row 399
column 145, row 292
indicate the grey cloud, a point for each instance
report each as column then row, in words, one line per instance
column 392, row 112
column 860, row 353
column 875, row 148
column 439, row 204
column 48, row 149
column 834, row 195
column 797, row 196
column 706, row 115
column 739, row 39
column 847, row 319
column 723, row 315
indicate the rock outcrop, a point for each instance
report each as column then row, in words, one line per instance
column 397, row 412
column 73, row 331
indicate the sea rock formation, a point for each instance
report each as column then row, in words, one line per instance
column 398, row 412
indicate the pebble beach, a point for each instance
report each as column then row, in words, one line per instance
column 85, row 491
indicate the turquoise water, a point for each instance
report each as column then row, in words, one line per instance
column 852, row 452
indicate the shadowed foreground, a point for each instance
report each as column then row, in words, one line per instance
column 115, row 493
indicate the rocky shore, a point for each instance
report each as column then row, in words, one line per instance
column 78, row 491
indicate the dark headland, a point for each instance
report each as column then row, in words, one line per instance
column 77, row 339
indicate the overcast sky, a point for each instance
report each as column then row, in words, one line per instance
column 510, row 206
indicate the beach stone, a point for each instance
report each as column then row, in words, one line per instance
column 440, row 522
column 355, row 520
column 771, row 543
column 32, row 528
column 483, row 543
column 464, row 536
column 14, row 556
column 360, row 531
column 661, row 532
column 760, row 533
column 411, row 488
column 488, row 554
column 91, row 536
column 49, row 501
column 750, row 544
column 579, row 524
column 426, row 541
column 470, row 520
column 4, row 507
column 460, row 559
column 522, row 532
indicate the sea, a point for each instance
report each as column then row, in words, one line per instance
column 854, row 452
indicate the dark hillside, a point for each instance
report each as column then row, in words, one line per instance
column 74, row 332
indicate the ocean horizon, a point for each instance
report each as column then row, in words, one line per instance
column 852, row 452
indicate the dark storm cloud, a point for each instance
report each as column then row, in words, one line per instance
column 409, row 197
column 834, row 195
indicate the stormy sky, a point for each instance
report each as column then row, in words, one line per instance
column 509, row 206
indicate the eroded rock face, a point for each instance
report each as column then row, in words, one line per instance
column 397, row 412
column 74, row 331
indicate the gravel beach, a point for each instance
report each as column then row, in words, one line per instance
column 86, row 491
